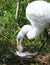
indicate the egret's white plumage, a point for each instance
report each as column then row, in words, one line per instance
column 38, row 13
column 23, row 54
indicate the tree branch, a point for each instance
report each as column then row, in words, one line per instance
column 17, row 9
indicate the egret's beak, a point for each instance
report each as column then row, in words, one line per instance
column 19, row 47
column 18, row 42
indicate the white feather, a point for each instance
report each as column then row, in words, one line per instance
column 38, row 13
column 23, row 54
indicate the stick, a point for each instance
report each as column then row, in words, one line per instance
column 17, row 9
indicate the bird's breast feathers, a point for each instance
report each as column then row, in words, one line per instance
column 39, row 11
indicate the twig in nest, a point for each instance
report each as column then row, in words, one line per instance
column 46, row 59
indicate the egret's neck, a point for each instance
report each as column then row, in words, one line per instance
column 25, row 29
column 34, row 32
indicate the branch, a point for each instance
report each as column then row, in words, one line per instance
column 17, row 9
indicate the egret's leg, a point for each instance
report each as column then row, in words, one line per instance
column 44, row 41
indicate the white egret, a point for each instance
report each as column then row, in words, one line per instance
column 38, row 13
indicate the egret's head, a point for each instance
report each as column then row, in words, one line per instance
column 25, row 29
column 19, row 42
